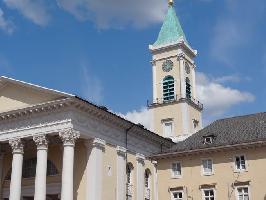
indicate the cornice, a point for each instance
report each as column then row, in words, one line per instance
column 173, row 45
column 250, row 145
column 86, row 107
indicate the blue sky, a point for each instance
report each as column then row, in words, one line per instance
column 99, row 50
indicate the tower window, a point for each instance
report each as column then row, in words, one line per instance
column 167, row 127
column 188, row 88
column 168, row 88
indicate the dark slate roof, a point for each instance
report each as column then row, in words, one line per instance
column 230, row 131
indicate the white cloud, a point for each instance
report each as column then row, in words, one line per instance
column 5, row 24
column 34, row 10
column 142, row 116
column 218, row 98
column 116, row 13
column 91, row 87
column 229, row 78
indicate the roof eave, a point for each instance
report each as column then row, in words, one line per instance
column 179, row 43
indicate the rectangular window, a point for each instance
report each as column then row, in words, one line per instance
column 176, row 170
column 168, row 129
column 240, row 163
column 242, row 193
column 207, row 167
column 208, row 194
column 178, row 195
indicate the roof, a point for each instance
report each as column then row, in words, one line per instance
column 227, row 132
column 171, row 30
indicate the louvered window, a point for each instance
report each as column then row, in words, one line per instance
column 168, row 88
column 188, row 89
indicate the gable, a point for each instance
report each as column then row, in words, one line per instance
column 16, row 95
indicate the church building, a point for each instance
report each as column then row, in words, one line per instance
column 55, row 145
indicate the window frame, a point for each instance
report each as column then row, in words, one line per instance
column 172, row 130
column 235, row 166
column 177, row 191
column 206, row 189
column 203, row 173
column 188, row 87
column 173, row 176
column 242, row 186
column 171, row 89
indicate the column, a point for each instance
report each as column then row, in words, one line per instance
column 182, row 75
column 69, row 138
column 184, row 105
column 140, row 176
column 155, row 180
column 41, row 168
column 94, row 169
column 194, row 82
column 121, row 173
column 154, row 81
column 1, row 171
column 17, row 162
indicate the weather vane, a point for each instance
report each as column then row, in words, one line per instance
column 170, row 2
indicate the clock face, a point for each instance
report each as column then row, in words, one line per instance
column 187, row 68
column 167, row 66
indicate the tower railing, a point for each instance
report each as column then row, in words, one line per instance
column 173, row 99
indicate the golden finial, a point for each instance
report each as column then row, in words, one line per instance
column 170, row 2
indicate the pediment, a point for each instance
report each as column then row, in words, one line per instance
column 16, row 94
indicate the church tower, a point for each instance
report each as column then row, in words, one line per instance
column 175, row 109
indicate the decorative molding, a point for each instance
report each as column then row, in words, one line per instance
column 98, row 143
column 153, row 62
column 121, row 151
column 140, row 158
column 181, row 56
column 154, row 162
column 40, row 141
column 16, row 145
column 44, row 123
column 69, row 137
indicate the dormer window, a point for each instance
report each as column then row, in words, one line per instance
column 208, row 139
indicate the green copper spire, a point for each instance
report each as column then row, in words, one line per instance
column 171, row 30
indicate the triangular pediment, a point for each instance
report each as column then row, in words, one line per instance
column 16, row 94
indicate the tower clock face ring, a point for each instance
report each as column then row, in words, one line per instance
column 167, row 66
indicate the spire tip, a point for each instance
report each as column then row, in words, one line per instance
column 170, row 2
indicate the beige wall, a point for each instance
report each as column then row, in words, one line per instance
column 173, row 110
column 14, row 97
column 110, row 177
column 224, row 174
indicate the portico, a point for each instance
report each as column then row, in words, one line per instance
column 62, row 187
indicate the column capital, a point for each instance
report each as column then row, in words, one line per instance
column 69, row 137
column 99, row 143
column 140, row 157
column 121, row 151
column 154, row 162
column 16, row 145
column 180, row 56
column 40, row 141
